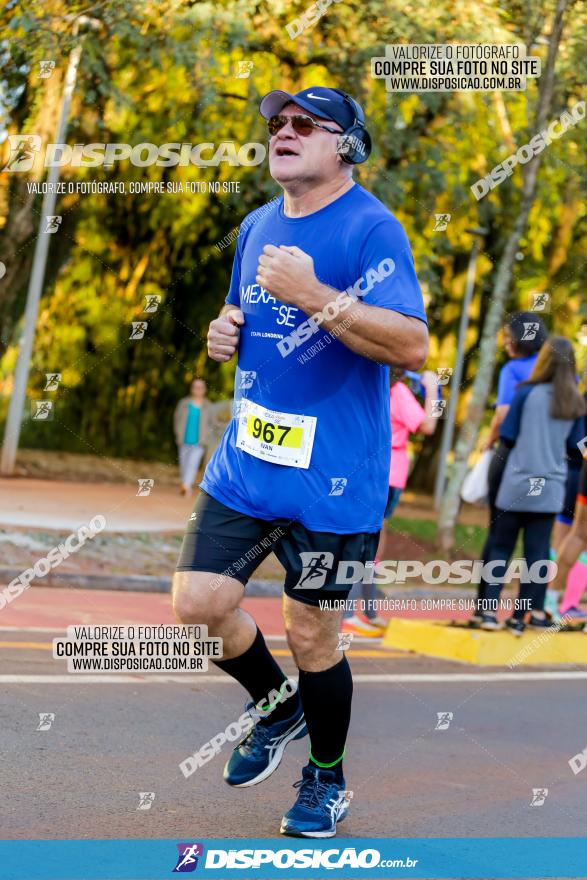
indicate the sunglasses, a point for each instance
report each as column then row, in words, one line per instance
column 302, row 125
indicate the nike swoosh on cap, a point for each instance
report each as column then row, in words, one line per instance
column 316, row 97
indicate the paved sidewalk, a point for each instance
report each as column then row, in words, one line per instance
column 65, row 504
column 62, row 504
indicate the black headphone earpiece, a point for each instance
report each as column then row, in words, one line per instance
column 354, row 144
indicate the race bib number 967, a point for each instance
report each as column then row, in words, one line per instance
column 277, row 437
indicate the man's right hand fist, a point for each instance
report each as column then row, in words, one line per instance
column 223, row 335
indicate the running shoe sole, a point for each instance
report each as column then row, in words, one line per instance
column 299, row 731
column 330, row 833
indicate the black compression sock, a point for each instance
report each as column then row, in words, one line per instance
column 326, row 697
column 259, row 674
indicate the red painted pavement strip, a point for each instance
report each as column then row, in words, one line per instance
column 59, row 607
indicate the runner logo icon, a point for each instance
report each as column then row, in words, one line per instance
column 443, row 375
column 540, row 301
column 46, row 719
column 188, row 857
column 536, row 485
column 53, row 222
column 53, row 380
column 42, row 410
column 437, row 408
column 530, row 330
column 247, row 379
column 315, row 567
column 46, row 68
column 338, row 485
column 138, row 329
column 441, row 222
column 539, row 795
column 152, row 302
column 444, row 719
column 23, row 149
column 243, row 70
column 146, row 799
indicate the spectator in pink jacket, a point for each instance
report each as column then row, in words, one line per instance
column 408, row 416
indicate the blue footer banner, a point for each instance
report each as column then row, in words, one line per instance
column 460, row 857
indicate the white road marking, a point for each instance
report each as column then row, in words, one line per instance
column 60, row 630
column 363, row 678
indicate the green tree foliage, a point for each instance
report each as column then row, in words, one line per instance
column 161, row 72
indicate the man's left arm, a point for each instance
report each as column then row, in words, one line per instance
column 381, row 334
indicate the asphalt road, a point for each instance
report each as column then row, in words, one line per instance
column 110, row 741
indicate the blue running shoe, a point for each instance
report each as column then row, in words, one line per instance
column 260, row 752
column 321, row 803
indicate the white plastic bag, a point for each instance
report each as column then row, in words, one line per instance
column 475, row 488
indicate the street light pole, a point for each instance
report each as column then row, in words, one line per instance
column 449, row 425
column 21, row 373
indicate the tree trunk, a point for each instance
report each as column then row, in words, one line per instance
column 563, row 235
column 468, row 433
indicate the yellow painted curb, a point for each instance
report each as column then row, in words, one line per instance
column 440, row 639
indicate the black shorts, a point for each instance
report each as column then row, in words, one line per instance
column 226, row 542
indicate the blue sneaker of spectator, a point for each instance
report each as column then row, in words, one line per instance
column 260, row 752
column 321, row 803
column 576, row 613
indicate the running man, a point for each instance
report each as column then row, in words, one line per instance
column 314, row 416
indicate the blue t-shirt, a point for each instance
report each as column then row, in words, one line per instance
column 344, row 488
column 192, row 425
column 511, row 374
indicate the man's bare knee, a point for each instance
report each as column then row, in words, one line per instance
column 312, row 646
column 312, row 635
column 300, row 643
column 204, row 597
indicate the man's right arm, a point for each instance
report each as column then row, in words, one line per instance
column 224, row 333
